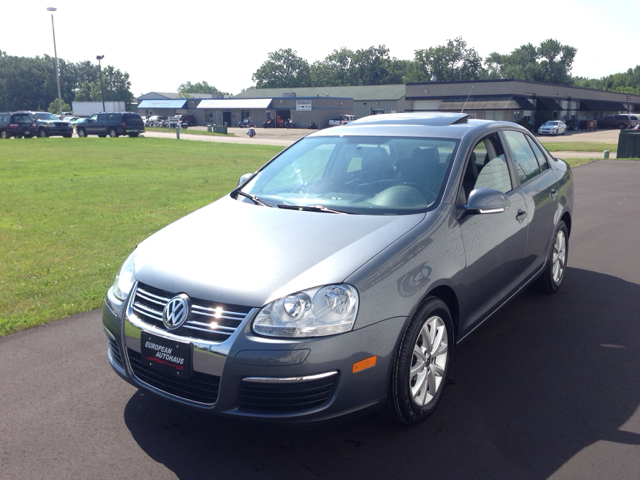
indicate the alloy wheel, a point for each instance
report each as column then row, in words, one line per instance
column 428, row 361
column 559, row 256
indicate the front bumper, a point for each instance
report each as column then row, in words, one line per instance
column 53, row 131
column 290, row 381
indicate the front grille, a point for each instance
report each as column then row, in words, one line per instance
column 200, row 387
column 115, row 352
column 207, row 320
column 285, row 397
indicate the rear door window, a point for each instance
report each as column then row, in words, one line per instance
column 525, row 160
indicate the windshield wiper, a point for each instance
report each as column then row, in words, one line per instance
column 253, row 198
column 313, row 208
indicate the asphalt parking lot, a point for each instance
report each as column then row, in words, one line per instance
column 547, row 388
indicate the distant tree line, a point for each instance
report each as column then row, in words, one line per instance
column 30, row 83
column 549, row 62
column 185, row 90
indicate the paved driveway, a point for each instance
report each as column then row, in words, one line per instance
column 547, row 388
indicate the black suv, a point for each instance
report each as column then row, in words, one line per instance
column 112, row 124
column 48, row 125
column 16, row 125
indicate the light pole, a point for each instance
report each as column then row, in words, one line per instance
column 55, row 52
column 100, row 57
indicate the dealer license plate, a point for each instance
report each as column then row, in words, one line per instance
column 27, row 132
column 167, row 356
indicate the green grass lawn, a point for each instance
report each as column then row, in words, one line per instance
column 72, row 210
column 579, row 146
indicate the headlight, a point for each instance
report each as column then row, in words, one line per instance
column 317, row 312
column 125, row 279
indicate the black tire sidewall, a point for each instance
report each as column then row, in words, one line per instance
column 402, row 406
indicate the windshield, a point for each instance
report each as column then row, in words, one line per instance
column 363, row 175
column 45, row 116
column 551, row 123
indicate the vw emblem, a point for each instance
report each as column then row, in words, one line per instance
column 175, row 312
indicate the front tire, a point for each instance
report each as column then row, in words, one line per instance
column 82, row 132
column 113, row 133
column 551, row 278
column 4, row 134
column 422, row 363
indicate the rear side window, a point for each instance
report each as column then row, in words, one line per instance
column 525, row 160
column 22, row 119
column 131, row 116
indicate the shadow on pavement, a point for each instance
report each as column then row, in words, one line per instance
column 544, row 378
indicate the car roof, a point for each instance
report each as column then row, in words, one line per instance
column 415, row 124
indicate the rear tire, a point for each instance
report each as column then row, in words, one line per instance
column 551, row 278
column 133, row 135
column 4, row 134
column 421, row 365
column 42, row 133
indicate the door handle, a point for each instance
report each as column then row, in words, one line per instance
column 521, row 215
column 554, row 193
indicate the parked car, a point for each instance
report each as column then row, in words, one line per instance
column 113, row 124
column 16, row 125
column 357, row 259
column 622, row 121
column 341, row 120
column 48, row 125
column 155, row 120
column 553, row 127
column 190, row 120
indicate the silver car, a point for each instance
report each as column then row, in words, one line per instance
column 340, row 276
column 553, row 127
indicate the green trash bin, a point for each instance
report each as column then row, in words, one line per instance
column 208, row 128
column 220, row 129
column 629, row 144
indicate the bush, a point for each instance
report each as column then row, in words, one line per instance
column 526, row 124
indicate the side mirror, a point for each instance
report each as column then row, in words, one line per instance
column 487, row 200
column 244, row 178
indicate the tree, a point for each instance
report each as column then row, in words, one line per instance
column 185, row 89
column 373, row 66
column 550, row 62
column 334, row 70
column 446, row 63
column 54, row 107
column 117, row 87
column 30, row 83
column 627, row 82
column 368, row 66
column 284, row 69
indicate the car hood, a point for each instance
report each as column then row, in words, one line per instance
column 239, row 253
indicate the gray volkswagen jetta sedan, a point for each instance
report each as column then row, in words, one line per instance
column 340, row 276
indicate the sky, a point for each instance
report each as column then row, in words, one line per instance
column 162, row 45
